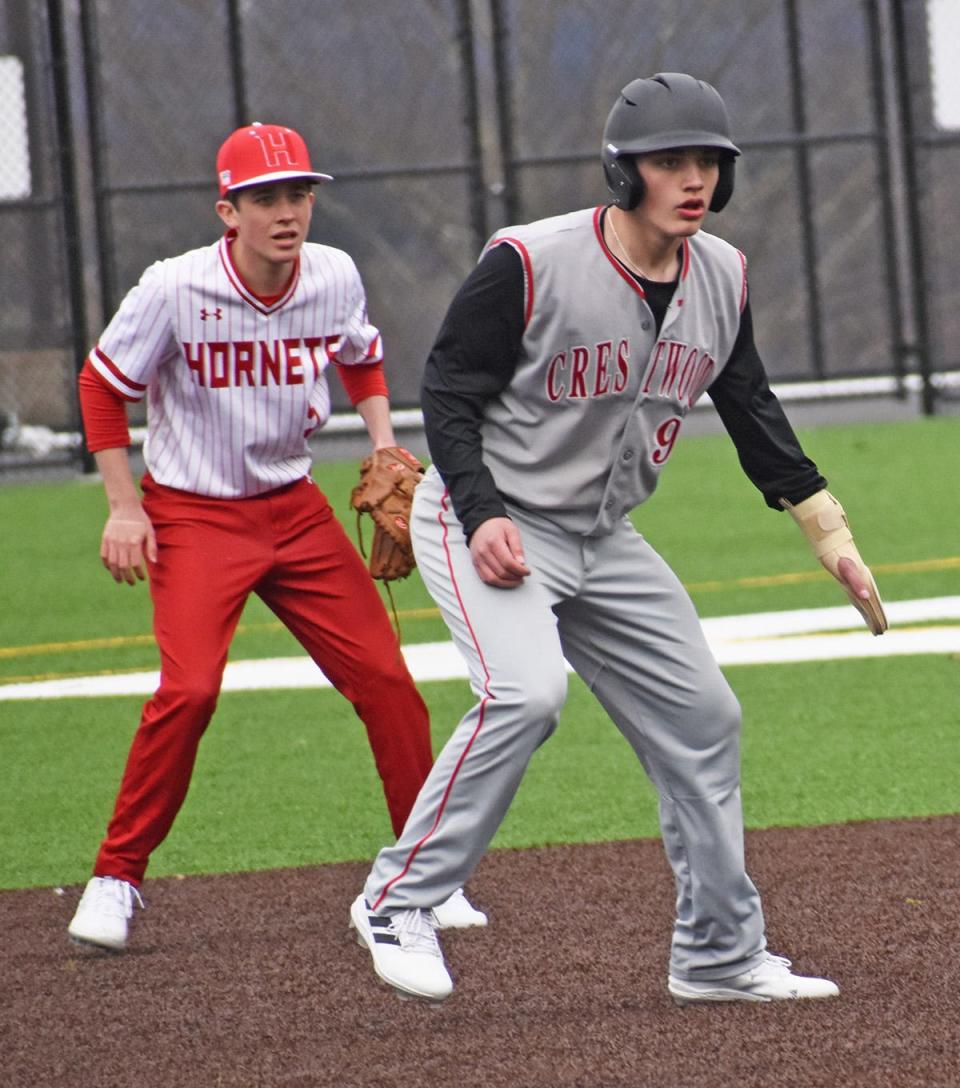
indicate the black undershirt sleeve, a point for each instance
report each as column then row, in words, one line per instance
column 475, row 356
column 766, row 444
column 473, row 359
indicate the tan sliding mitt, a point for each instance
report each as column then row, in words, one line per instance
column 825, row 525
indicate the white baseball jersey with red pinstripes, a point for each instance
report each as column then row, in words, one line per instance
column 234, row 387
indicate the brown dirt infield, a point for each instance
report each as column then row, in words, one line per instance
column 251, row 981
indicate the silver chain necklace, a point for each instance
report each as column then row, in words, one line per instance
column 623, row 249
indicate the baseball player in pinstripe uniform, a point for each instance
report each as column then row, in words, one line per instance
column 231, row 343
column 553, row 398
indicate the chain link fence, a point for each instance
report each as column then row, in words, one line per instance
column 445, row 119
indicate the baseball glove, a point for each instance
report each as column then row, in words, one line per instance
column 385, row 492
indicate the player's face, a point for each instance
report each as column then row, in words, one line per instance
column 679, row 187
column 271, row 221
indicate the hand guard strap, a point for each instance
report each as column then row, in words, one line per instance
column 824, row 523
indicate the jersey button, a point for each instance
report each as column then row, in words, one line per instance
column 645, row 325
column 608, row 504
column 628, row 455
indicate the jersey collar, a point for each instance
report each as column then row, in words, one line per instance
column 250, row 297
column 618, row 267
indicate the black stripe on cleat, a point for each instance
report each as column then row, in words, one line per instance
column 385, row 938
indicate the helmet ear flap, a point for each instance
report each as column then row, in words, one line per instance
column 724, row 189
column 626, row 185
column 623, row 180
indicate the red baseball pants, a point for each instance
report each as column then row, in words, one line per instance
column 288, row 548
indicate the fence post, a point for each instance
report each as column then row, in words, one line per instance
column 913, row 223
column 238, row 78
column 66, row 163
column 504, row 100
column 890, row 204
column 805, row 186
column 466, row 42
column 495, row 145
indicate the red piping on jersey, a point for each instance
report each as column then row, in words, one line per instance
column 684, row 269
column 444, row 503
column 617, row 266
column 743, row 288
column 527, row 274
column 250, row 297
column 121, row 379
column 375, row 350
column 685, row 264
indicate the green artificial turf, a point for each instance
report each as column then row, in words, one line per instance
column 286, row 778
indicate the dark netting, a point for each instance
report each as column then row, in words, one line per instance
column 443, row 120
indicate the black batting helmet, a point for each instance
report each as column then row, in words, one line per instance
column 670, row 109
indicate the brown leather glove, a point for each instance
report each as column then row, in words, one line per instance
column 388, row 478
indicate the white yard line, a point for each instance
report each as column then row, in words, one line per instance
column 813, row 634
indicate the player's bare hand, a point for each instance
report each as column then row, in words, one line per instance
column 128, row 541
column 498, row 553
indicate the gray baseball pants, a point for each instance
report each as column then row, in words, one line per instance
column 616, row 612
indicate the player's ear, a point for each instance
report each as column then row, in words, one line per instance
column 227, row 212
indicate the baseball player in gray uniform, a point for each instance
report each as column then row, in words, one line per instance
column 553, row 398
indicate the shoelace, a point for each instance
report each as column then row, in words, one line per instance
column 777, row 964
column 416, row 932
column 117, row 896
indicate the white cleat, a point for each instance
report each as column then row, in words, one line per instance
column 457, row 913
column 770, row 980
column 405, row 950
column 103, row 914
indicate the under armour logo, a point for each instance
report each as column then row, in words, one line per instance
column 205, row 313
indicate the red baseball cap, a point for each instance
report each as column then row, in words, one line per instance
column 257, row 154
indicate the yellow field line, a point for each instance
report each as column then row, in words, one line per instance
column 40, row 677
column 79, row 644
column 117, row 641
column 918, row 566
column 33, row 678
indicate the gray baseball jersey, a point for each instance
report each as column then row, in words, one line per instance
column 598, row 397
